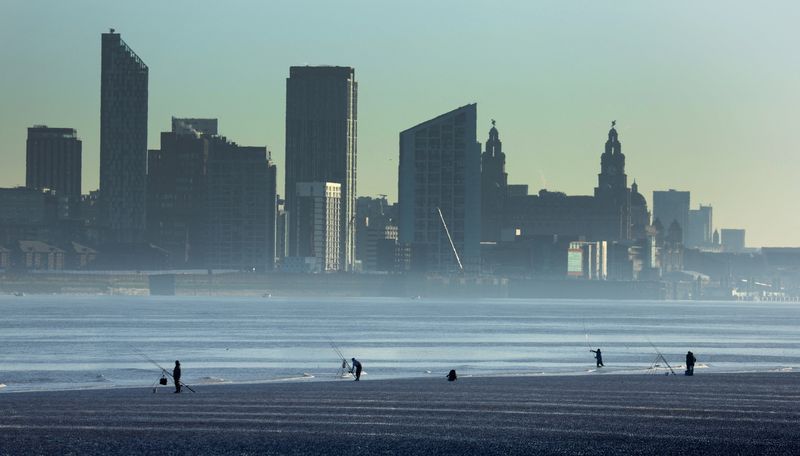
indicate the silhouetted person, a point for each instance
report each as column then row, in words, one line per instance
column 451, row 376
column 357, row 367
column 176, row 376
column 598, row 356
column 690, row 360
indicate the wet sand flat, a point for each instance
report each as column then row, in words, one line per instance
column 754, row 413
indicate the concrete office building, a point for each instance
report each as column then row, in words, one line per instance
column 316, row 223
column 53, row 161
column 440, row 170
column 671, row 206
column 321, row 134
column 123, row 141
column 701, row 228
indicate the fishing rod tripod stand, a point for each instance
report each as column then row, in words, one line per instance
column 162, row 380
column 657, row 363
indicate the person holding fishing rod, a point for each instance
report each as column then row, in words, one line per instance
column 176, row 372
column 357, row 367
column 598, row 355
column 176, row 376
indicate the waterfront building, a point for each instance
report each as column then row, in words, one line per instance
column 494, row 186
column 671, row 206
column 316, row 223
column 240, row 212
column 701, row 228
column 439, row 183
column 615, row 213
column 733, row 240
column 123, row 141
column 53, row 161
column 321, row 144
column 28, row 214
column 177, row 192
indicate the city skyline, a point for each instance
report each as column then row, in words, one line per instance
column 703, row 105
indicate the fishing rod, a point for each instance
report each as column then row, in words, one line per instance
column 339, row 353
column 660, row 356
column 164, row 371
column 586, row 333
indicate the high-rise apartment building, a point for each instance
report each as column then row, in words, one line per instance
column 321, row 134
column 240, row 207
column 53, row 161
column 671, row 206
column 123, row 141
column 317, row 215
column 440, row 173
column 177, row 193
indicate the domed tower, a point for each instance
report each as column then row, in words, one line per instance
column 494, row 185
column 640, row 217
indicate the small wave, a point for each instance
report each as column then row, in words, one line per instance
column 213, row 380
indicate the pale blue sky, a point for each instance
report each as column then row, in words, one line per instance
column 705, row 94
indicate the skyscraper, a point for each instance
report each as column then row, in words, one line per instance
column 53, row 160
column 672, row 206
column 440, row 170
column 123, row 141
column 494, row 187
column 321, row 133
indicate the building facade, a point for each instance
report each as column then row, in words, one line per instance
column 321, row 138
column 733, row 240
column 316, row 222
column 701, row 228
column 440, row 192
column 123, row 141
column 177, row 181
column 53, row 161
column 28, row 214
column 671, row 206
column 240, row 212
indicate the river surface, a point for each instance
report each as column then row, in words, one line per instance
column 72, row 342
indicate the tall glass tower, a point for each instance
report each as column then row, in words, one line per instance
column 123, row 141
column 321, row 126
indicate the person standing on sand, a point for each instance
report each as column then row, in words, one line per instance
column 598, row 356
column 451, row 376
column 690, row 360
column 357, row 367
column 176, row 376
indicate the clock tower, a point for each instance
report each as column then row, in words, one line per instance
column 612, row 182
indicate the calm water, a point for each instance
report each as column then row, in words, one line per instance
column 54, row 342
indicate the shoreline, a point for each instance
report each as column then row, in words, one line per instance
column 715, row 413
column 314, row 379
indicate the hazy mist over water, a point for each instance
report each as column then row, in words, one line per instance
column 53, row 342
